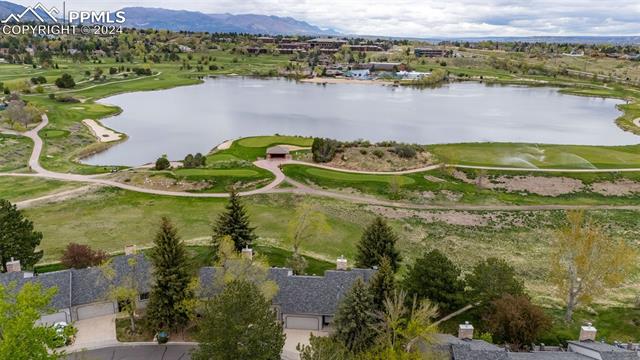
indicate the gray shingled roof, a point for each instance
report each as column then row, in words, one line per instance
column 318, row 295
column 547, row 355
column 606, row 351
column 278, row 150
column 58, row 279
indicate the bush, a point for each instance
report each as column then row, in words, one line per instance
column 142, row 71
column 80, row 256
column 38, row 80
column 378, row 153
column 113, row 71
column 213, row 67
column 65, row 81
column 191, row 161
column 324, row 149
column 363, row 151
column 405, row 151
column 162, row 163
column 67, row 99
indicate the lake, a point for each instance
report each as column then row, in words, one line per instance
column 196, row 118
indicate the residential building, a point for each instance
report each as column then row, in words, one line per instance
column 327, row 43
column 465, row 347
column 386, row 66
column 365, row 48
column 429, row 52
column 302, row 302
column 363, row 74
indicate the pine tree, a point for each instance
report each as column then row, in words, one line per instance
column 171, row 294
column 382, row 285
column 354, row 319
column 18, row 240
column 378, row 241
column 433, row 276
column 239, row 324
column 234, row 222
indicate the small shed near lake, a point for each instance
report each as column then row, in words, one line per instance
column 278, row 152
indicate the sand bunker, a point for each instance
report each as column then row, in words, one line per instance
column 102, row 133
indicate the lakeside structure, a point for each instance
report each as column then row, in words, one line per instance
column 302, row 302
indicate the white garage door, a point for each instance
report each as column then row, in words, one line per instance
column 95, row 310
column 51, row 319
column 302, row 323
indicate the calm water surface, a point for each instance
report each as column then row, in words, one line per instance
column 196, row 118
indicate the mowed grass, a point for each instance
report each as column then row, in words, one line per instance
column 222, row 179
column 252, row 148
column 18, row 188
column 215, row 172
column 539, row 156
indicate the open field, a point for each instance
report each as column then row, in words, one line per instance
column 14, row 152
column 17, row 189
column 465, row 186
column 539, row 156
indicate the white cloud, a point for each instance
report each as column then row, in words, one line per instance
column 422, row 18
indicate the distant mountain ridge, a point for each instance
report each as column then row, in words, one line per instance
column 177, row 20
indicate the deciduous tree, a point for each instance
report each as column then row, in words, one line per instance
column 585, row 261
column 171, row 300
column 18, row 239
column 80, row 256
column 515, row 321
column 378, row 241
column 305, row 224
column 20, row 337
column 239, row 324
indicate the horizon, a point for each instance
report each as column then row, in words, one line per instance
column 419, row 19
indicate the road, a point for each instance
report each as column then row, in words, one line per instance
column 298, row 188
column 136, row 352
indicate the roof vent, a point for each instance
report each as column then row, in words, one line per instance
column 341, row 263
column 13, row 266
column 465, row 331
column 587, row 333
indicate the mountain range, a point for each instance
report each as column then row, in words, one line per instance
column 177, row 20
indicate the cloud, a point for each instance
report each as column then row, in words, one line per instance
column 423, row 18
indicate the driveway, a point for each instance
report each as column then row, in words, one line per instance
column 295, row 337
column 94, row 333
column 136, row 352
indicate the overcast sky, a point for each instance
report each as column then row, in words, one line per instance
column 419, row 18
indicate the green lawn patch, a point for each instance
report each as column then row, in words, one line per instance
column 252, row 148
column 533, row 156
column 18, row 188
column 53, row 133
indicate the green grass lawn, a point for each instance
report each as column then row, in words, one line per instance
column 411, row 187
column 539, row 156
column 15, row 188
column 252, row 148
column 242, row 178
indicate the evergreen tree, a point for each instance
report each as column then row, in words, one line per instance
column 171, row 294
column 18, row 240
column 239, row 324
column 382, row 285
column 234, row 222
column 354, row 319
column 378, row 241
column 492, row 278
column 433, row 276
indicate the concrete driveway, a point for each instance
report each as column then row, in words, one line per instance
column 136, row 352
column 95, row 332
column 295, row 337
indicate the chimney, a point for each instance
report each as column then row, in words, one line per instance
column 465, row 331
column 130, row 250
column 13, row 266
column 587, row 333
column 341, row 263
column 247, row 253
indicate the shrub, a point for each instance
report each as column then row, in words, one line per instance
column 378, row 153
column 191, row 161
column 67, row 99
column 113, row 70
column 162, row 163
column 405, row 151
column 363, row 152
column 38, row 80
column 324, row 149
column 65, row 81
column 80, row 256
column 142, row 71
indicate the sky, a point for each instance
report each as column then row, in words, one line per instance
column 419, row 18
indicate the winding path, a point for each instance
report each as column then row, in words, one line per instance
column 298, row 188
